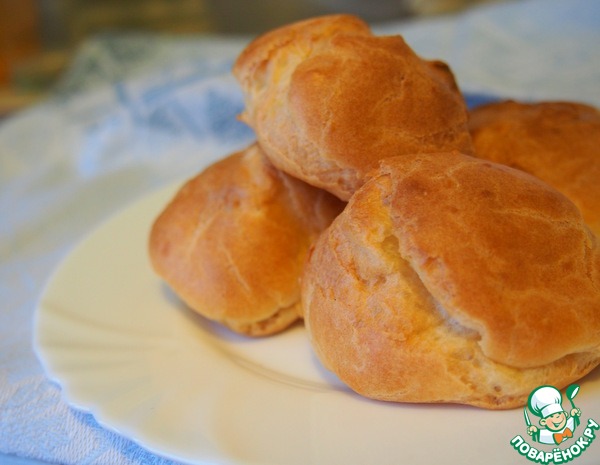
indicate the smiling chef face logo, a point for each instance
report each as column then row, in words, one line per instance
column 549, row 422
column 556, row 424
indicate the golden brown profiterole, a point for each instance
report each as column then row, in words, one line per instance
column 327, row 99
column 451, row 279
column 232, row 242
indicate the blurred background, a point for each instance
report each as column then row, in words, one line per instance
column 38, row 37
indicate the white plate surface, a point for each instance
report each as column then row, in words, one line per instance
column 124, row 348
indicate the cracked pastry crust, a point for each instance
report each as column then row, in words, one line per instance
column 233, row 240
column 453, row 279
column 559, row 142
column 327, row 99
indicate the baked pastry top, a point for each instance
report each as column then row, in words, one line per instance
column 453, row 279
column 327, row 99
column 559, row 142
column 233, row 240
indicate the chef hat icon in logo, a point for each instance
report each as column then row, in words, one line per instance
column 545, row 401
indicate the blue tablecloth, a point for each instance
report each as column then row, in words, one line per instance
column 137, row 112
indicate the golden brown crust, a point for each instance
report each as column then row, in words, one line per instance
column 452, row 279
column 253, row 65
column 559, row 142
column 328, row 99
column 233, row 241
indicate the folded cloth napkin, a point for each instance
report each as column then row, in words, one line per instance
column 134, row 113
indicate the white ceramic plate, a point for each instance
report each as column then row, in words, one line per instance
column 125, row 349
